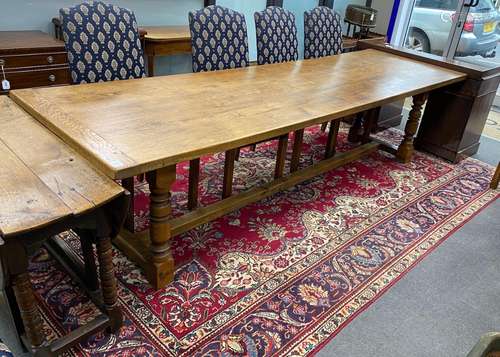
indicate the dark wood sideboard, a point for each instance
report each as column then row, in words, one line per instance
column 33, row 59
column 455, row 115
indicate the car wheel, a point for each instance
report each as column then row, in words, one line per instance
column 418, row 41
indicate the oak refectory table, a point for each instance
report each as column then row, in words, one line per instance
column 47, row 188
column 128, row 128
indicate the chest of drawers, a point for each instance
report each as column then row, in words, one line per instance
column 33, row 59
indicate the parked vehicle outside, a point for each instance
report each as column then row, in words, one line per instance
column 431, row 22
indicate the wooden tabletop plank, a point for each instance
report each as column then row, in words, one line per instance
column 134, row 126
column 26, row 202
column 167, row 33
column 73, row 179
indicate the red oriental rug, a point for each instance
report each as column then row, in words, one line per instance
column 286, row 274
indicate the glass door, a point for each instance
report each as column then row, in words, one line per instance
column 430, row 25
column 466, row 30
column 478, row 35
column 477, row 43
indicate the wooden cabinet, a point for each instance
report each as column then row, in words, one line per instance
column 33, row 59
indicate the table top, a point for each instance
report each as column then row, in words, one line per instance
column 45, row 180
column 28, row 42
column 130, row 127
column 167, row 33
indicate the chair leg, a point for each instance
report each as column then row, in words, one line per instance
column 128, row 184
column 237, row 158
column 281, row 156
column 371, row 119
column 324, row 126
column 297, row 149
column 90, row 266
column 227, row 188
column 108, row 283
column 354, row 132
column 194, row 179
column 332, row 138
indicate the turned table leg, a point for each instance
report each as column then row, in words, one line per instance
column 28, row 308
column 405, row 149
column 162, row 270
column 108, row 282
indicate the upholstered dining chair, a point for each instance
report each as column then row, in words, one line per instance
column 322, row 33
column 103, row 44
column 276, row 35
column 219, row 41
column 102, row 41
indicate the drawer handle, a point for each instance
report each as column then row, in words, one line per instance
column 52, row 78
column 50, row 59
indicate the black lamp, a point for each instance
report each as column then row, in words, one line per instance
column 327, row 3
column 274, row 3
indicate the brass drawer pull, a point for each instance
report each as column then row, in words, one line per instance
column 50, row 59
column 52, row 78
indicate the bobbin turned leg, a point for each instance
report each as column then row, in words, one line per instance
column 405, row 149
column 28, row 309
column 162, row 269
column 108, row 283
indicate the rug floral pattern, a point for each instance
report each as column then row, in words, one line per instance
column 284, row 275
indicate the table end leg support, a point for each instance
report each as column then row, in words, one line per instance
column 405, row 149
column 162, row 267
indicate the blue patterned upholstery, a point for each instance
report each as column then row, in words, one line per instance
column 322, row 33
column 276, row 35
column 4, row 350
column 219, row 39
column 102, row 41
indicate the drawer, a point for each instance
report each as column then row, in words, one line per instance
column 35, row 59
column 56, row 75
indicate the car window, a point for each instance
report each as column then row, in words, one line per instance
column 438, row 4
column 484, row 5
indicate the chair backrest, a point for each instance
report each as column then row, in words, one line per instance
column 276, row 35
column 102, row 41
column 219, row 39
column 322, row 33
